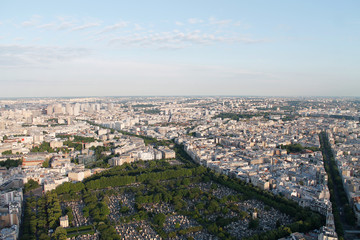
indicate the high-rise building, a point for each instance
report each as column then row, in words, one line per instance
column 50, row 109
column 69, row 109
column 76, row 109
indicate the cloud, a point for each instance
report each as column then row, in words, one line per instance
column 214, row 21
column 65, row 25
column 62, row 25
column 135, row 35
column 238, row 23
column 177, row 39
column 35, row 19
column 241, row 24
column 138, row 27
column 283, row 27
column 85, row 26
column 113, row 27
column 18, row 39
column 195, row 21
column 21, row 55
column 47, row 26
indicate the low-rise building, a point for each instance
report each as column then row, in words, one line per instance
column 64, row 221
column 79, row 175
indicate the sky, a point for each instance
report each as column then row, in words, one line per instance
column 170, row 48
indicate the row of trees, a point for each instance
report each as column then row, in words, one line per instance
column 235, row 116
column 116, row 181
column 297, row 148
column 40, row 215
column 82, row 230
column 336, row 187
column 96, row 207
column 34, row 221
column 76, row 138
column 68, row 187
column 7, row 152
column 10, row 163
column 133, row 169
column 43, row 147
column 53, row 209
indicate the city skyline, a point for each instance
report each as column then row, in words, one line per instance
column 205, row 48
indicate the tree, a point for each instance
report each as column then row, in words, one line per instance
column 44, row 236
column 45, row 164
column 86, row 212
column 254, row 223
column 124, row 209
column 213, row 228
column 68, row 211
column 30, row 185
column 186, row 181
column 107, row 232
column 200, row 206
column 159, row 219
column 7, row 152
column 60, row 233
column 177, row 225
column 213, row 206
column 214, row 186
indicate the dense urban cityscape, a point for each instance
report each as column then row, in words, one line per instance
column 179, row 120
column 180, row 168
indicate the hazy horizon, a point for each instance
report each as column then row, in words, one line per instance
column 184, row 96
